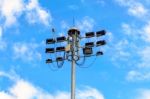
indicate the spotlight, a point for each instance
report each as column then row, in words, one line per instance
column 61, row 39
column 50, row 50
column 87, row 51
column 59, row 49
column 89, row 34
column 99, row 53
column 89, row 44
column 49, row 61
column 50, row 41
column 59, row 59
column 99, row 43
column 100, row 33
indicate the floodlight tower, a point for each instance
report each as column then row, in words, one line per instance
column 73, row 35
column 72, row 51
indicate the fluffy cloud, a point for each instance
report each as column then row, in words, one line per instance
column 137, row 76
column 121, row 50
column 26, row 52
column 11, row 11
column 89, row 93
column 36, row 14
column 135, row 8
column 139, row 37
column 127, row 29
column 143, row 94
column 86, row 24
column 1, row 31
column 24, row 90
column 64, row 25
column 3, row 45
column 28, row 91
column 144, row 54
column 146, row 32
column 138, row 10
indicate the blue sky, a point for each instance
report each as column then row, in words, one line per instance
column 123, row 72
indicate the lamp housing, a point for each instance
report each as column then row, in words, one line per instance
column 50, row 41
column 87, row 51
column 50, row 50
column 89, row 34
column 89, row 44
column 59, row 59
column 59, row 49
column 100, row 43
column 61, row 39
column 49, row 61
column 100, row 33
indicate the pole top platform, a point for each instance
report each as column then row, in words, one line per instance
column 73, row 31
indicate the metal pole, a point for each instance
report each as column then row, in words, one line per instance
column 73, row 80
column 73, row 69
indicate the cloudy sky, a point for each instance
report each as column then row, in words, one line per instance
column 123, row 72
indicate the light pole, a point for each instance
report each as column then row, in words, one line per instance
column 73, row 49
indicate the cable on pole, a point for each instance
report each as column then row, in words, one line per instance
column 89, row 65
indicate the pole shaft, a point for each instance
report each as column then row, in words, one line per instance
column 73, row 69
column 73, row 80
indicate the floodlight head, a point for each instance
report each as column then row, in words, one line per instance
column 59, row 49
column 100, row 33
column 89, row 44
column 99, row 53
column 49, row 61
column 100, row 43
column 50, row 50
column 61, row 39
column 87, row 51
column 89, row 34
column 59, row 59
column 73, row 31
column 50, row 41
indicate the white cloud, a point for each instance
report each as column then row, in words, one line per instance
column 146, row 32
column 25, row 90
column 133, row 32
column 36, row 14
column 144, row 54
column 9, row 75
column 121, row 52
column 109, row 36
column 86, row 24
column 3, row 45
column 89, row 93
column 26, row 52
column 2, row 42
column 135, row 51
column 135, row 75
column 1, row 32
column 127, row 29
column 135, row 8
column 64, row 25
column 143, row 94
column 11, row 11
